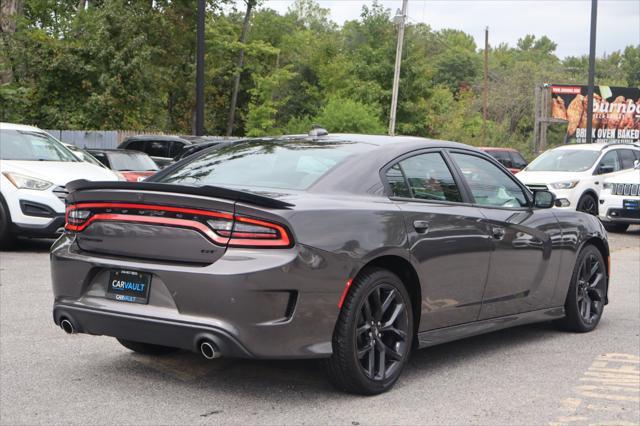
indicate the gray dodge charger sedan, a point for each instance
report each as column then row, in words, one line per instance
column 351, row 248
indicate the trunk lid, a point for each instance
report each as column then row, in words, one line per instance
column 154, row 221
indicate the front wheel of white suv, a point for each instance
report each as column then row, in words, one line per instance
column 7, row 238
column 588, row 204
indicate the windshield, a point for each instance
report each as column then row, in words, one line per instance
column 131, row 161
column 265, row 163
column 85, row 156
column 564, row 160
column 32, row 146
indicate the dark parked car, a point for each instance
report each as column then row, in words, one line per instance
column 351, row 248
column 133, row 166
column 161, row 148
column 508, row 157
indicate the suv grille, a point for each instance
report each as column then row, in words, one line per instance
column 60, row 192
column 625, row 189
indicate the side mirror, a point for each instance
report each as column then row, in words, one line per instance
column 603, row 169
column 636, row 164
column 543, row 199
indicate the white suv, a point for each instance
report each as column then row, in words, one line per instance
column 620, row 200
column 576, row 173
column 34, row 169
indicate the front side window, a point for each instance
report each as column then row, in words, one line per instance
column 489, row 185
column 428, row 178
column 32, row 146
column 518, row 161
column 609, row 163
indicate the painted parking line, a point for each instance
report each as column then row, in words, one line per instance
column 608, row 393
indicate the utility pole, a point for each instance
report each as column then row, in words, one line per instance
column 485, row 94
column 236, row 81
column 199, row 127
column 592, row 69
column 400, row 19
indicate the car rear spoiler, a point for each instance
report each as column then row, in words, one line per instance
column 206, row 191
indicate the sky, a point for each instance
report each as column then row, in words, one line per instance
column 566, row 22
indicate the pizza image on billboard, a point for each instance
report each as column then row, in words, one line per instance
column 615, row 115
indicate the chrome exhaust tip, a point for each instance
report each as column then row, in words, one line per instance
column 208, row 350
column 66, row 325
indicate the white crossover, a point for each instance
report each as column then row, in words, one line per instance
column 576, row 173
column 620, row 200
column 34, row 169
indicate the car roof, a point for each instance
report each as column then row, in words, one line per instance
column 382, row 141
column 596, row 146
column 159, row 138
column 13, row 126
column 496, row 148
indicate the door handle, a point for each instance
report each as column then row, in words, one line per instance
column 497, row 232
column 421, row 226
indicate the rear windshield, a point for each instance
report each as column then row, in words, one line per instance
column 32, row 146
column 274, row 164
column 131, row 161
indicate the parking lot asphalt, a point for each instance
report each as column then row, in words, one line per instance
column 527, row 375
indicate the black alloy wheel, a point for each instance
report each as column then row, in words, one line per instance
column 373, row 335
column 587, row 293
column 590, row 289
column 382, row 333
column 588, row 204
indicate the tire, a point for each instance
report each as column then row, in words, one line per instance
column 588, row 204
column 616, row 227
column 7, row 238
column 147, row 348
column 367, row 327
column 586, row 297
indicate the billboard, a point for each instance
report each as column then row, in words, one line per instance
column 616, row 112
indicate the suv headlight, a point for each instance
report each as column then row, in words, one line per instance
column 27, row 182
column 565, row 185
column 608, row 185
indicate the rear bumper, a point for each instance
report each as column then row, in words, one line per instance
column 178, row 334
column 254, row 303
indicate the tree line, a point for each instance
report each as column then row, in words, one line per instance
column 118, row 64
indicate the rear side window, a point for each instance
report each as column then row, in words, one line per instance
column 176, row 149
column 397, row 182
column 427, row 177
column 157, row 149
column 135, row 145
column 489, row 185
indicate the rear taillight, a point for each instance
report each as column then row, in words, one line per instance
column 76, row 217
column 220, row 227
column 249, row 232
